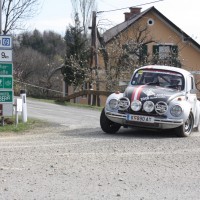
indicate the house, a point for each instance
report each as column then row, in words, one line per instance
column 143, row 38
column 163, row 34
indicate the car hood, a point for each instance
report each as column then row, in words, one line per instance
column 151, row 93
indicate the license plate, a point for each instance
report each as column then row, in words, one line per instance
column 140, row 118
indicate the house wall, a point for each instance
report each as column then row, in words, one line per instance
column 163, row 33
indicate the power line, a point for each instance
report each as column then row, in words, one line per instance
column 129, row 6
column 106, row 2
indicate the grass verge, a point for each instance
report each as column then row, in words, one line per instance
column 20, row 127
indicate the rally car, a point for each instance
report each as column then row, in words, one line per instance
column 157, row 97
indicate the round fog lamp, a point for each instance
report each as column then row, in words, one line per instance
column 136, row 105
column 148, row 106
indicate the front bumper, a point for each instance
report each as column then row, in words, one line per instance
column 159, row 123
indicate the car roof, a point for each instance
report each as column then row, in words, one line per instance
column 168, row 68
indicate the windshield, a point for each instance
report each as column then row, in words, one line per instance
column 162, row 78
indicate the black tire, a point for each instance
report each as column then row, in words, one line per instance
column 107, row 125
column 186, row 129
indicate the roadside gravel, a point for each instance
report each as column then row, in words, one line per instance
column 70, row 158
column 55, row 163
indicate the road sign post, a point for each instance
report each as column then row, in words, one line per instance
column 6, row 76
column 5, row 42
column 6, row 82
column 6, row 96
column 5, row 55
column 6, row 69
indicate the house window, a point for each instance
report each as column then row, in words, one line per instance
column 150, row 22
column 165, row 51
column 166, row 55
column 144, row 50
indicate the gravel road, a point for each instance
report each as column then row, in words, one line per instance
column 58, row 163
column 68, row 116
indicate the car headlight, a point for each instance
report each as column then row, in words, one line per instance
column 148, row 106
column 136, row 105
column 113, row 104
column 176, row 111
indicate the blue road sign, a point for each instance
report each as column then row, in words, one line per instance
column 5, row 42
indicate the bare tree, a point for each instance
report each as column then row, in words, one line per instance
column 124, row 53
column 84, row 10
column 28, row 63
column 15, row 12
column 35, row 70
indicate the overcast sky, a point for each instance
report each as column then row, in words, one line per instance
column 56, row 15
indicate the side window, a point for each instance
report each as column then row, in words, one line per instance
column 193, row 86
column 191, row 83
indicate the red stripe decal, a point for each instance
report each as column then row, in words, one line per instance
column 136, row 93
column 133, row 94
column 139, row 92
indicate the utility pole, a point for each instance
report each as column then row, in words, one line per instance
column 95, row 54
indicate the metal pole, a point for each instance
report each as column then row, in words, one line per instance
column 24, row 105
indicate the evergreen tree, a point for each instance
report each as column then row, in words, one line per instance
column 77, row 55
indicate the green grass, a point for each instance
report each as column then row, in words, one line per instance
column 20, row 127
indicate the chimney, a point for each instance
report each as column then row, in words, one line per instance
column 134, row 11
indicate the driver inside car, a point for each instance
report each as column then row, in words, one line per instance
column 175, row 83
column 151, row 79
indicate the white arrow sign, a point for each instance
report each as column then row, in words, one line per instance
column 5, row 55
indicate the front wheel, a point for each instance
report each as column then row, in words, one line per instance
column 107, row 125
column 186, row 129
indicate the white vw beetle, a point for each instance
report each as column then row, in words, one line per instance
column 157, row 97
